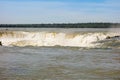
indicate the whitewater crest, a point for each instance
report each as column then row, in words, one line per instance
column 83, row 39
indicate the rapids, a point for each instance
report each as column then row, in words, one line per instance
column 44, row 38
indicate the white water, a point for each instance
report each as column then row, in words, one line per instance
column 83, row 39
column 59, row 63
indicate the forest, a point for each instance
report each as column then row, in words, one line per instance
column 63, row 25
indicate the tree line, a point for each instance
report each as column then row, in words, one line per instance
column 63, row 25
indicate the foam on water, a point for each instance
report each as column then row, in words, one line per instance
column 83, row 39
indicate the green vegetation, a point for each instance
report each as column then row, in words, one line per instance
column 69, row 25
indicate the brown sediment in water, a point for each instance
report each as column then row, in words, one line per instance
column 117, row 59
column 25, row 42
column 105, row 73
column 71, row 36
column 11, row 34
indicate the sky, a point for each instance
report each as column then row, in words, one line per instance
column 59, row 11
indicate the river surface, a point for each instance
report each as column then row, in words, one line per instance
column 59, row 63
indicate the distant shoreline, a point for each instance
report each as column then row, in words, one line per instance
column 63, row 25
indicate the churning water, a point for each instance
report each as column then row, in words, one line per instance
column 64, row 54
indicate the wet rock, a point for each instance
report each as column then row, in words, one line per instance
column 108, row 37
column 0, row 43
column 117, row 36
column 114, row 37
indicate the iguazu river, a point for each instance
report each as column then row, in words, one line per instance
column 59, row 54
